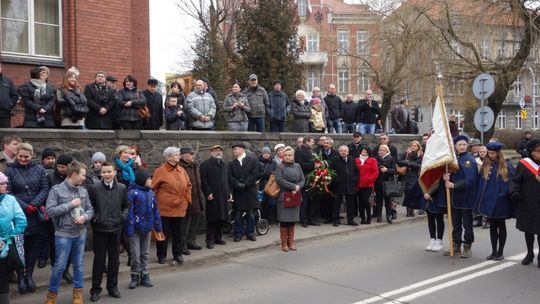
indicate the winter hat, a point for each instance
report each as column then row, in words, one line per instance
column 47, row 152
column 141, row 177
column 461, row 137
column 494, row 146
column 266, row 150
column 533, row 144
column 278, row 146
column 315, row 101
column 3, row 178
column 99, row 156
column 64, row 159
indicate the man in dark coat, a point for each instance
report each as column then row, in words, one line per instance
column 327, row 153
column 244, row 173
column 349, row 114
column 368, row 113
column 8, row 99
column 522, row 147
column 344, row 185
column 384, row 139
column 215, row 187
column 193, row 218
column 101, row 101
column 278, row 108
column 335, row 108
column 304, row 157
column 115, row 111
column 355, row 147
column 154, row 101
column 401, row 117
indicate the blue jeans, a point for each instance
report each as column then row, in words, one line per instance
column 277, row 126
column 334, row 125
column 349, row 127
column 256, row 124
column 239, row 222
column 68, row 247
column 462, row 219
column 366, row 128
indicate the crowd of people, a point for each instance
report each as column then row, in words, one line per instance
column 51, row 203
column 101, row 105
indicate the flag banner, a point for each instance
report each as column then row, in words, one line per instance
column 439, row 149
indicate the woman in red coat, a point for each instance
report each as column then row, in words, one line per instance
column 367, row 166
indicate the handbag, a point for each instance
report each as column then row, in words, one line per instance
column 392, row 189
column 158, row 236
column 43, row 216
column 271, row 188
column 144, row 112
column 15, row 256
column 291, row 200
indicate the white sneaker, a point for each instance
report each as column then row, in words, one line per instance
column 429, row 247
column 437, row 246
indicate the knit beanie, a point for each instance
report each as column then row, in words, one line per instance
column 99, row 156
column 47, row 152
column 141, row 176
column 64, row 159
column 266, row 150
column 3, row 178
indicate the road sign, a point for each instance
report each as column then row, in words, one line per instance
column 483, row 86
column 522, row 102
column 483, row 118
column 524, row 114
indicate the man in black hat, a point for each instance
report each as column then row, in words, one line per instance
column 258, row 102
column 48, row 160
column 244, row 173
column 101, row 102
column 278, row 107
column 154, row 101
column 115, row 111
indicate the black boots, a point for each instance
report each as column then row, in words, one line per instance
column 527, row 259
column 21, row 284
column 134, row 281
column 145, row 280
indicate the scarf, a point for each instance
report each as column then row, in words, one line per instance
column 363, row 159
column 127, row 170
column 41, row 89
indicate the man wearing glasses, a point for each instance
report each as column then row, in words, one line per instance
column 384, row 139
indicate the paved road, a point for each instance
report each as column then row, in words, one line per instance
column 355, row 267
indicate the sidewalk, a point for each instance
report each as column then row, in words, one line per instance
column 270, row 241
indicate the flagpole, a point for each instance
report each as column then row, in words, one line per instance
column 448, row 201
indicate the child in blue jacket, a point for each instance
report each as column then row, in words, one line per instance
column 143, row 217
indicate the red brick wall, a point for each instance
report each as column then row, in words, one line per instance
column 113, row 36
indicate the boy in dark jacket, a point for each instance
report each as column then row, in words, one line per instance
column 143, row 216
column 175, row 117
column 109, row 199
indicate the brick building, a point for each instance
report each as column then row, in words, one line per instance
column 112, row 36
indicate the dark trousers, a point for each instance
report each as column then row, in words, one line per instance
column 268, row 208
column 190, row 227
column 364, row 206
column 497, row 234
column 326, row 203
column 349, row 200
column 277, row 126
column 463, row 229
column 435, row 225
column 32, row 244
column 106, row 246
column 214, row 231
column 239, row 222
column 45, row 247
column 349, row 127
column 304, row 207
column 256, row 124
column 380, row 197
column 4, row 277
column 132, row 125
column 172, row 228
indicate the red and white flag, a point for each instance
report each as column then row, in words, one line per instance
column 439, row 150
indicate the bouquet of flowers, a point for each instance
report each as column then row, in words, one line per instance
column 321, row 177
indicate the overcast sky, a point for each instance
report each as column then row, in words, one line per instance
column 171, row 34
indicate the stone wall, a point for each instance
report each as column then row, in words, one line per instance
column 82, row 144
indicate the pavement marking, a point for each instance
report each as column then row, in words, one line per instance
column 386, row 295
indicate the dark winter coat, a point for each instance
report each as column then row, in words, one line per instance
column 197, row 196
column 401, row 119
column 346, row 175
column 266, row 168
column 522, row 148
column 110, row 206
column 8, row 96
column 98, row 97
column 137, row 101
column 143, row 214
column 393, row 150
column 28, row 184
column 32, row 106
column 334, row 105
column 304, row 157
column 390, row 164
column 326, row 155
column 493, row 193
column 355, row 149
column 413, row 162
column 172, row 120
column 278, row 106
column 244, row 182
column 55, row 178
column 215, row 180
column 301, row 114
column 73, row 106
column 258, row 101
column 154, row 101
column 349, row 112
column 465, row 182
column 367, row 114
column 524, row 192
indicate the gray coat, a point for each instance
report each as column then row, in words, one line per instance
column 198, row 104
column 236, row 114
column 302, row 114
column 258, row 101
column 287, row 177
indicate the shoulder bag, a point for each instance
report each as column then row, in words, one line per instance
column 291, row 200
column 392, row 188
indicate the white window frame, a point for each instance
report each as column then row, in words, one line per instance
column 313, row 78
column 363, row 80
column 31, row 34
column 362, row 47
column 486, row 49
column 343, row 80
column 459, row 118
column 302, row 8
column 312, row 43
column 519, row 120
column 502, row 119
column 518, row 87
column 343, row 41
column 501, row 49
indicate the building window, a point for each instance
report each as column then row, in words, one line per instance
column 343, row 41
column 313, row 77
column 362, row 41
column 302, row 8
column 502, row 119
column 518, row 87
column 518, row 120
column 312, row 43
column 31, row 28
column 501, row 50
column 459, row 119
column 363, row 80
column 343, row 80
column 456, row 87
column 486, row 49
column 535, row 120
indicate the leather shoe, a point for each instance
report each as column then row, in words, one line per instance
column 314, row 223
column 219, row 242
column 336, row 224
column 251, row 238
column 237, row 238
column 30, row 284
column 42, row 263
column 305, row 225
column 209, row 245
column 194, row 246
column 115, row 293
column 186, row 252
column 161, row 261
column 94, row 296
column 179, row 259
column 22, row 285
column 353, row 223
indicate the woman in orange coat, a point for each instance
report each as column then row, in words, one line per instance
column 173, row 192
column 367, row 166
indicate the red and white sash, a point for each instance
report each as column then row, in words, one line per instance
column 531, row 165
